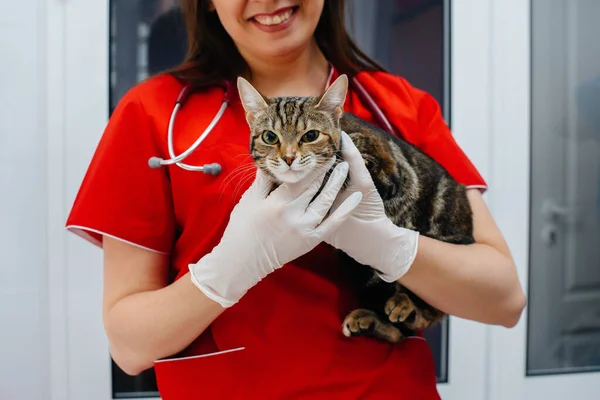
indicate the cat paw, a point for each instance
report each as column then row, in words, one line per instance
column 359, row 322
column 366, row 322
column 401, row 309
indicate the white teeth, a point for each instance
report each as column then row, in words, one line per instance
column 275, row 19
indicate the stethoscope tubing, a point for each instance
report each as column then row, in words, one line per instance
column 176, row 159
column 215, row 168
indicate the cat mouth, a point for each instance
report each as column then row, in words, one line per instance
column 291, row 175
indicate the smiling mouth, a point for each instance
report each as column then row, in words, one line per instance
column 275, row 19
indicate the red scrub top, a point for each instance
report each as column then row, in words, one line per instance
column 286, row 331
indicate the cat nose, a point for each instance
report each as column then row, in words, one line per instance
column 289, row 160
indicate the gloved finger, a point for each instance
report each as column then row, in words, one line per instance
column 339, row 216
column 320, row 206
column 303, row 191
column 342, row 195
column 260, row 187
column 290, row 192
column 359, row 174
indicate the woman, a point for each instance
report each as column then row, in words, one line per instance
column 259, row 315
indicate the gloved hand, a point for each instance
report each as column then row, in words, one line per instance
column 266, row 231
column 368, row 235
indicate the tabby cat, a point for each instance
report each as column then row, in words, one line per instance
column 292, row 137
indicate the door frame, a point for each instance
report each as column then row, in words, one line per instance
column 469, row 106
column 77, row 83
column 77, row 106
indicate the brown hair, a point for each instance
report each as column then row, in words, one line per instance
column 212, row 56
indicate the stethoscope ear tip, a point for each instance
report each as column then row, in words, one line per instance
column 155, row 162
column 212, row 169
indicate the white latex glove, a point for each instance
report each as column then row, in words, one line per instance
column 266, row 231
column 368, row 235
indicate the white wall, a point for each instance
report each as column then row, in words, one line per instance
column 24, row 369
column 50, row 282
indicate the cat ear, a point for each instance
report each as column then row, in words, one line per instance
column 252, row 101
column 334, row 97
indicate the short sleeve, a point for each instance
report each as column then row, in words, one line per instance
column 436, row 140
column 417, row 116
column 120, row 195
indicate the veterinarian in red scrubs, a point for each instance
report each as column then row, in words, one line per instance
column 259, row 315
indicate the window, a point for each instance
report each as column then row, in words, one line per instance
column 408, row 37
column 564, row 288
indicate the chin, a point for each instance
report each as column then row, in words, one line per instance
column 292, row 44
column 290, row 176
column 294, row 176
column 280, row 51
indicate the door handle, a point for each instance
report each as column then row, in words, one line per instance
column 553, row 212
column 553, row 215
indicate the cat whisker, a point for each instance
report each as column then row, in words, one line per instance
column 241, row 183
column 306, row 159
column 236, row 171
column 321, row 160
column 244, row 176
column 244, row 161
column 243, row 155
column 240, row 170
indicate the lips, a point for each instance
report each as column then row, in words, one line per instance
column 277, row 20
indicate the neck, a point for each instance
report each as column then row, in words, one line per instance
column 303, row 73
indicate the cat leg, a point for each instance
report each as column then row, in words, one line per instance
column 366, row 322
column 401, row 309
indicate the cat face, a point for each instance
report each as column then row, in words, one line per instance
column 293, row 137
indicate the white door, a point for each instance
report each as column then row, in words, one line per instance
column 100, row 48
column 546, row 167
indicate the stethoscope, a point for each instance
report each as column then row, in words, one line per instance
column 215, row 168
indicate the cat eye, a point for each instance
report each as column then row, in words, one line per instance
column 310, row 136
column 270, row 137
